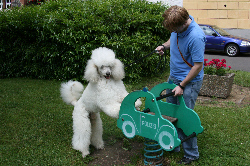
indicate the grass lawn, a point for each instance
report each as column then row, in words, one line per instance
column 36, row 127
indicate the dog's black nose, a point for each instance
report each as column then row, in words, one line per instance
column 108, row 73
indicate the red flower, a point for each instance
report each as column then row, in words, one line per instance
column 205, row 62
column 218, row 65
column 215, row 60
column 212, row 62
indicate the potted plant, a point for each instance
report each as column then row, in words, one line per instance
column 217, row 81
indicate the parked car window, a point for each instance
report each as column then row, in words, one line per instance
column 220, row 31
column 207, row 30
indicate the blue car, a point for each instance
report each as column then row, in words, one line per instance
column 220, row 40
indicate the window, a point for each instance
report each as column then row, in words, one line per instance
column 207, row 30
column 8, row 3
column 220, row 31
column 1, row 4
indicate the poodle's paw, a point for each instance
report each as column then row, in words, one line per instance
column 114, row 113
column 138, row 103
column 85, row 153
column 101, row 146
column 116, row 116
column 98, row 144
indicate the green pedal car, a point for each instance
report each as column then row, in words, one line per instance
column 159, row 120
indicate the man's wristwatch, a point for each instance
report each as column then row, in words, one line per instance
column 182, row 87
column 164, row 48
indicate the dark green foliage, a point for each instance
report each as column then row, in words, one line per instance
column 55, row 40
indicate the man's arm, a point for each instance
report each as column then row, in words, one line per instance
column 191, row 75
column 161, row 49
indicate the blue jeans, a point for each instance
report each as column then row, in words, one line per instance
column 190, row 95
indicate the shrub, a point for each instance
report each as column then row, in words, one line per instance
column 54, row 40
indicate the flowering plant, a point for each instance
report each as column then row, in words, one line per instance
column 216, row 67
column 35, row 2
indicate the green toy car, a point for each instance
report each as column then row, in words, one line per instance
column 159, row 120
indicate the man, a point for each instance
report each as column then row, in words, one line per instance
column 186, row 44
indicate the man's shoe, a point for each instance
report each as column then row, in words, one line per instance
column 185, row 161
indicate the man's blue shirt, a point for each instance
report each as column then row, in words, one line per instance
column 192, row 45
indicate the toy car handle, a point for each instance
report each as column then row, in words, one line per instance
column 190, row 136
column 164, row 96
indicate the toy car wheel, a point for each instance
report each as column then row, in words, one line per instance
column 166, row 140
column 128, row 129
column 232, row 50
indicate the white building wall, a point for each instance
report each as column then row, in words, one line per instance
column 169, row 2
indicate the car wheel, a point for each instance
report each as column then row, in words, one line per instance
column 128, row 129
column 166, row 140
column 232, row 50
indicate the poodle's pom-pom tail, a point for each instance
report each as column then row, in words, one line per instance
column 71, row 91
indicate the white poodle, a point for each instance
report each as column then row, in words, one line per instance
column 104, row 92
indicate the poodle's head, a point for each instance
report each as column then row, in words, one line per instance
column 103, row 65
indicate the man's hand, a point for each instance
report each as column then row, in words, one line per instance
column 163, row 47
column 178, row 91
column 160, row 50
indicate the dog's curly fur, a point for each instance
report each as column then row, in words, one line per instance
column 104, row 92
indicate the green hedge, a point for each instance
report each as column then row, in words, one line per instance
column 54, row 40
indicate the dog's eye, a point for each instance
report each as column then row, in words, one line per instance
column 102, row 67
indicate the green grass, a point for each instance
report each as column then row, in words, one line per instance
column 36, row 127
column 226, row 135
column 241, row 78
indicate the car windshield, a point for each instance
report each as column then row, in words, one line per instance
column 220, row 31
